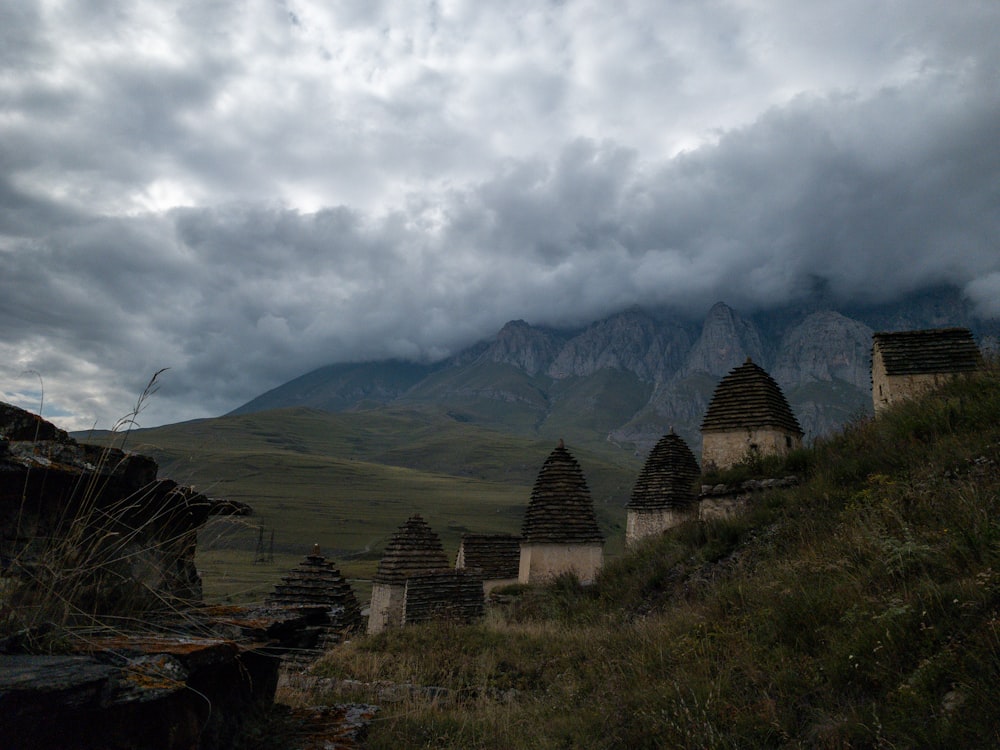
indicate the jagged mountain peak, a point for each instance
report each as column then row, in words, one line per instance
column 632, row 341
column 524, row 346
column 629, row 376
column 726, row 340
column 825, row 346
column 512, row 326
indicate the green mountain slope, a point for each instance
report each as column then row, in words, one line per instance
column 586, row 406
column 342, row 386
column 491, row 394
column 633, row 375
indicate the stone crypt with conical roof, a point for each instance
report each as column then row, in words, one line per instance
column 414, row 549
column 560, row 532
column 748, row 415
column 665, row 492
column 315, row 583
column 414, row 582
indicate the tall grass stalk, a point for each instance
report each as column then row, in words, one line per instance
column 95, row 567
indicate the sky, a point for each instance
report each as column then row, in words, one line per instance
column 244, row 191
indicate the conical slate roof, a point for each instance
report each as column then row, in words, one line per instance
column 413, row 549
column 929, row 351
column 748, row 398
column 667, row 479
column 561, row 510
column 317, row 582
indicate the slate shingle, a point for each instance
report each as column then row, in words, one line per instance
column 749, row 398
column 318, row 582
column 925, row 352
column 561, row 510
column 496, row 555
column 667, row 480
column 455, row 595
column 414, row 548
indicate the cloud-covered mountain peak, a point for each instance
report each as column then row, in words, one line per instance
column 524, row 346
column 726, row 340
column 823, row 347
column 631, row 341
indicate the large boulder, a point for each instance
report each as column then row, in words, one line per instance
column 89, row 529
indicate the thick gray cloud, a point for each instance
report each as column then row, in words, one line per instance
column 244, row 191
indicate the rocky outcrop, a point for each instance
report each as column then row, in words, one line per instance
column 826, row 346
column 726, row 340
column 91, row 536
column 192, row 688
column 93, row 529
column 19, row 425
column 525, row 347
column 631, row 341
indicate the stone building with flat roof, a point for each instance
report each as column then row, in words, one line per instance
column 454, row 595
column 666, row 491
column 560, row 532
column 748, row 415
column 907, row 364
column 497, row 557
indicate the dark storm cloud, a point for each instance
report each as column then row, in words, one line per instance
column 244, row 191
column 878, row 198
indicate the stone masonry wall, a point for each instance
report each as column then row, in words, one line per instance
column 640, row 524
column 541, row 562
column 386, row 609
column 724, row 449
column 889, row 390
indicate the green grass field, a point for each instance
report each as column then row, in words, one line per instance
column 347, row 481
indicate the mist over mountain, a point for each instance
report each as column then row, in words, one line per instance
column 628, row 378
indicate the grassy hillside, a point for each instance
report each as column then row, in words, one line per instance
column 586, row 406
column 488, row 393
column 502, row 397
column 340, row 387
column 348, row 480
column 858, row 610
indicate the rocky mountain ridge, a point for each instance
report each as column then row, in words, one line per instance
column 631, row 376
